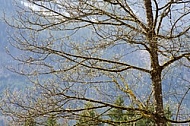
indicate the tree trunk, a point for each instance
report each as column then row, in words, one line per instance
column 156, row 82
column 156, row 69
column 158, row 99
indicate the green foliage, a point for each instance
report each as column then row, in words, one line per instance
column 168, row 114
column 118, row 114
column 121, row 115
column 145, row 122
column 89, row 117
column 51, row 121
column 30, row 122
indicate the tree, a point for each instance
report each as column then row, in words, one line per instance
column 88, row 116
column 92, row 51
column 118, row 114
column 30, row 122
column 51, row 121
column 122, row 116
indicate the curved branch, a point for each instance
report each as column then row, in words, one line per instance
column 173, row 121
column 64, row 54
column 174, row 59
column 180, row 102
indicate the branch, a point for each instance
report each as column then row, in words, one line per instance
column 173, row 121
column 105, row 104
column 180, row 103
column 119, row 20
column 67, row 55
column 149, row 14
column 174, row 59
column 164, row 14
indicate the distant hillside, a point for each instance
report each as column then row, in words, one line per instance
column 7, row 78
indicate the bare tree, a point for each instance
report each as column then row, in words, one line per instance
column 96, row 50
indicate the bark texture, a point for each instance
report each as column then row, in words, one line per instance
column 155, row 66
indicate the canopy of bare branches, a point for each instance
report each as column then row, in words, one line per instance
column 93, row 51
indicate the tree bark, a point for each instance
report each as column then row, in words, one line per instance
column 156, row 69
column 156, row 82
column 157, row 93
